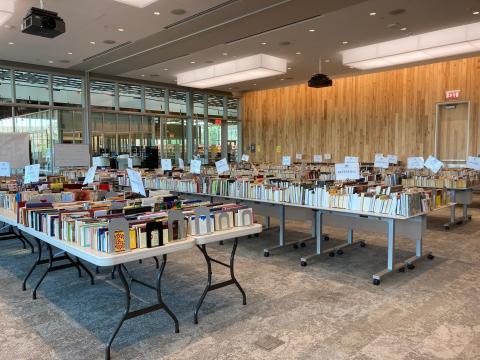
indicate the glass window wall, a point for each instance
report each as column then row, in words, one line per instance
column 177, row 102
column 130, row 97
column 154, row 100
column 215, row 106
column 6, row 119
column 67, row 91
column 32, row 88
column 102, row 95
column 5, row 86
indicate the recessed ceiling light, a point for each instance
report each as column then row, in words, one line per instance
column 8, row 26
column 373, row 13
column 121, row 29
column 403, row 29
column 263, row 43
column 254, row 84
column 165, row 69
column 50, row 61
column 142, row 75
column 289, row 68
column 311, row 30
column 282, row 79
column 225, row 54
column 92, row 42
column 137, row 3
column 192, row 62
column 11, row 43
column 230, row 88
column 69, row 53
column 298, row 53
column 156, row 13
column 344, row 42
column 327, row 60
column 476, row 12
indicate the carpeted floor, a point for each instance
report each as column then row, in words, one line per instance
column 327, row 310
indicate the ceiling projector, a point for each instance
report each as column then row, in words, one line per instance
column 43, row 23
column 319, row 81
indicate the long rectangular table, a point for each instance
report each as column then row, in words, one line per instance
column 119, row 260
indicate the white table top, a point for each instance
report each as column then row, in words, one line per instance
column 228, row 234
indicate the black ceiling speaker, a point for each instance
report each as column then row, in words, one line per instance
column 320, row 80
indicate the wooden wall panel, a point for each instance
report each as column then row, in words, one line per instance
column 391, row 112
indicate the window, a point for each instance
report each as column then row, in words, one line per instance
column 123, row 123
column 232, row 108
column 67, row 91
column 199, row 104
column 31, row 88
column 177, row 102
column 5, row 86
column 102, row 95
column 215, row 106
column 6, row 120
column 67, row 126
column 130, row 97
column 232, row 139
column 154, row 100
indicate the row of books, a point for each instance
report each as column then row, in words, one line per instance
column 440, row 182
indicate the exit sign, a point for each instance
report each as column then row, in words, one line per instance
column 452, row 94
column 218, row 121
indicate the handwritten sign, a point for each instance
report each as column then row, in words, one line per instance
column 32, row 174
column 89, row 178
column 351, row 159
column 381, row 162
column 415, row 162
column 222, row 166
column 181, row 164
column 130, row 163
column 327, row 156
column 298, row 156
column 433, row 164
column 392, row 159
column 473, row 162
column 286, row 160
column 136, row 182
column 317, row 158
column 166, row 164
column 378, row 155
column 97, row 161
column 245, row 157
column 5, row 168
column 195, row 166
column 347, row 171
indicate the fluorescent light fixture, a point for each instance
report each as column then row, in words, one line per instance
column 137, row 3
column 428, row 46
column 239, row 70
column 7, row 8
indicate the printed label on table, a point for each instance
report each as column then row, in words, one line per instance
column 286, row 160
column 89, row 178
column 298, row 156
column 166, row 164
column 222, row 166
column 393, row 159
column 181, row 164
column 195, row 166
column 32, row 174
column 473, row 162
column 433, row 164
column 130, row 163
column 5, row 168
column 351, row 159
column 378, row 155
column 327, row 156
column 317, row 158
column 415, row 162
column 136, row 182
column 347, row 171
column 245, row 157
column 381, row 162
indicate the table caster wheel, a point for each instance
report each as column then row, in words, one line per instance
column 410, row 266
column 469, row 217
column 221, row 242
column 256, row 235
column 326, row 238
column 402, row 270
column 303, row 244
column 295, row 246
column 266, row 254
column 331, row 254
column 339, row 252
column 459, row 222
column 303, row 263
column 430, row 257
column 249, row 236
column 446, row 227
column 376, row 282
column 362, row 243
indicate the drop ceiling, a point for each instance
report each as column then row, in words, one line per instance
column 169, row 37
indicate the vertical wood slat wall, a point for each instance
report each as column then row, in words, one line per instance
column 390, row 112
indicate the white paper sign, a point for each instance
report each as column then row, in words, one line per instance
column 347, row 171
column 5, row 168
column 222, row 166
column 433, row 164
column 381, row 162
column 378, row 155
column 130, row 163
column 351, row 159
column 245, row 157
column 473, row 162
column 415, row 162
column 392, row 159
column 89, row 178
column 195, row 166
column 298, row 156
column 317, row 158
column 286, row 160
column 327, row 156
column 136, row 182
column 166, row 164
column 32, row 174
column 181, row 164
column 97, row 161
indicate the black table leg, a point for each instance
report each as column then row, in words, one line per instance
column 37, row 262
column 24, row 240
column 209, row 286
column 157, row 264
column 50, row 263
column 80, row 264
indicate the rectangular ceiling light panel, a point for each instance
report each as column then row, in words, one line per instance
column 230, row 72
column 137, row 3
column 436, row 44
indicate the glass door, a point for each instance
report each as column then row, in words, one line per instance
column 214, row 141
column 173, row 133
column 124, row 143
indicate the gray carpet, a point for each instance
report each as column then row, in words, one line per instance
column 327, row 310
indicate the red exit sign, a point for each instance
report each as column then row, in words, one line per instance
column 218, row 121
column 452, row 94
